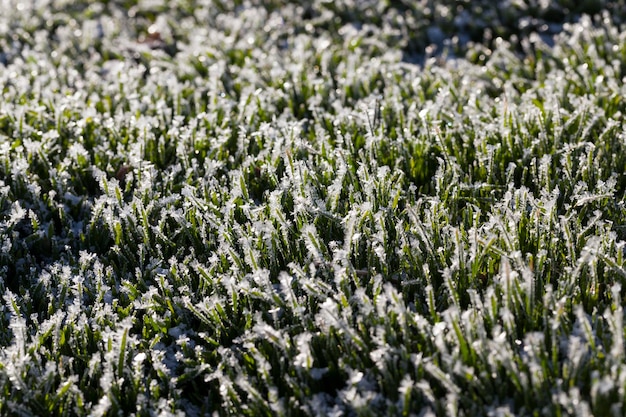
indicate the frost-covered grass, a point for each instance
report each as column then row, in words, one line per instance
column 325, row 208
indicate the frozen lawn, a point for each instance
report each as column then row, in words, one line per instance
column 330, row 209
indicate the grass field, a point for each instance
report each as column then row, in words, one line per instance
column 312, row 208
